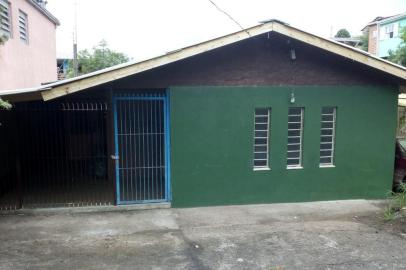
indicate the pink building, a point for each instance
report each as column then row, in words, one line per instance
column 28, row 57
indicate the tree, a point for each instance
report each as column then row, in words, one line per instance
column 364, row 42
column 342, row 33
column 399, row 55
column 98, row 58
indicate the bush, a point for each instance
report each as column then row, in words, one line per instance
column 5, row 105
column 397, row 202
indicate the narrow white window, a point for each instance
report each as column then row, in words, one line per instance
column 327, row 136
column 295, row 137
column 5, row 18
column 389, row 31
column 23, row 26
column 261, row 138
column 396, row 29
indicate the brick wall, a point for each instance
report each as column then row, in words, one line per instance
column 258, row 61
column 372, row 39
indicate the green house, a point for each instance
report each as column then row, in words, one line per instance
column 267, row 114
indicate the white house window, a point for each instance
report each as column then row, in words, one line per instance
column 389, row 31
column 261, row 138
column 5, row 18
column 327, row 136
column 23, row 26
column 295, row 136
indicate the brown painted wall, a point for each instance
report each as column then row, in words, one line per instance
column 258, row 61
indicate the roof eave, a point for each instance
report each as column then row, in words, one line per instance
column 61, row 88
column 393, row 18
column 45, row 12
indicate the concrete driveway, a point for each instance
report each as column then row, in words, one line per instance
column 322, row 235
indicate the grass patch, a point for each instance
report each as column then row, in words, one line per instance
column 397, row 202
column 389, row 213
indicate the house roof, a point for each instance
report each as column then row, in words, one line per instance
column 393, row 18
column 69, row 86
column 383, row 20
column 44, row 11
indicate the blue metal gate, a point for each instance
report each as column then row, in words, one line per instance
column 142, row 148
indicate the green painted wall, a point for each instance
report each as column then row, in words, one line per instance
column 212, row 145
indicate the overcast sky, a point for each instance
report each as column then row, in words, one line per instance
column 146, row 28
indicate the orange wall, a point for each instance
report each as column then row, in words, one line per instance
column 25, row 65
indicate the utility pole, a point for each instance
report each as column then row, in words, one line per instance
column 75, row 44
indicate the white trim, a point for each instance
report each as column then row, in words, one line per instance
column 261, row 169
column 294, row 167
column 326, row 166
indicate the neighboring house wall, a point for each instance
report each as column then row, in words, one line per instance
column 372, row 39
column 389, row 41
column 28, row 64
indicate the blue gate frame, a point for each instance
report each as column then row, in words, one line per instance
column 144, row 96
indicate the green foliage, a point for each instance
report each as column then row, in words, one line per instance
column 364, row 42
column 342, row 33
column 397, row 202
column 399, row 55
column 5, row 105
column 99, row 57
column 402, row 124
column 389, row 213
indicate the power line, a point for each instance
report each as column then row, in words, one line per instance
column 229, row 16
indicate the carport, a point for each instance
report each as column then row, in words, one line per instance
column 56, row 153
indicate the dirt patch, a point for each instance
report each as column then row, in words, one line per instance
column 396, row 226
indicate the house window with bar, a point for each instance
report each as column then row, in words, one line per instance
column 5, row 18
column 327, row 136
column 23, row 26
column 261, row 138
column 295, row 137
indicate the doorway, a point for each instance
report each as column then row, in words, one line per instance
column 141, row 130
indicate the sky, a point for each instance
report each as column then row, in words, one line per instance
column 146, row 28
